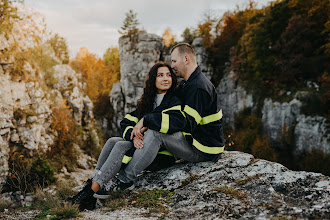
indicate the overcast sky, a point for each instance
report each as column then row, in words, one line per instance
column 95, row 24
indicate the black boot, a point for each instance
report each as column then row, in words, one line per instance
column 84, row 198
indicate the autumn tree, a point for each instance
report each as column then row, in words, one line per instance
column 130, row 24
column 168, row 38
column 99, row 75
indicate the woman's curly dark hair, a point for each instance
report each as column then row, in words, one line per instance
column 146, row 102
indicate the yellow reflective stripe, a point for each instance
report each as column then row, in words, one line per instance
column 211, row 118
column 165, row 123
column 206, row 149
column 177, row 107
column 128, row 127
column 165, row 152
column 193, row 113
column 184, row 133
column 126, row 159
column 132, row 118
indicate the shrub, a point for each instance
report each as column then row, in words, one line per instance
column 25, row 172
column 42, row 173
column 62, row 153
column 316, row 161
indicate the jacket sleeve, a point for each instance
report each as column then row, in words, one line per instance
column 169, row 120
column 127, row 125
column 195, row 107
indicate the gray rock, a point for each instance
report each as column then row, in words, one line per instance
column 232, row 98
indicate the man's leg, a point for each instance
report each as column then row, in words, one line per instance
column 179, row 147
column 142, row 158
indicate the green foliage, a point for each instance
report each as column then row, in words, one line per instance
column 188, row 36
column 26, row 172
column 42, row 173
column 154, row 200
column 66, row 211
column 60, row 48
column 248, row 137
column 316, row 161
column 130, row 24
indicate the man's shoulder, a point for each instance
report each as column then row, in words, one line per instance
column 203, row 83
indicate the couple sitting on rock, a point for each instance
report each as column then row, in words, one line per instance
column 183, row 122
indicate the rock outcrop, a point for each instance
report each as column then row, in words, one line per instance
column 137, row 53
column 238, row 186
column 232, row 98
column 26, row 102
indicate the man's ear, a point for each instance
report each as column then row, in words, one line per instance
column 186, row 59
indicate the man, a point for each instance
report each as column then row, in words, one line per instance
column 202, row 138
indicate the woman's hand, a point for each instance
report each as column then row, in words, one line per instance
column 138, row 143
column 137, row 130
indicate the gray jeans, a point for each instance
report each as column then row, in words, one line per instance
column 110, row 160
column 142, row 158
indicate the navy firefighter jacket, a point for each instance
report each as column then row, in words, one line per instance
column 166, row 118
column 204, row 116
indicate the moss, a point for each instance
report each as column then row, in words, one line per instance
column 231, row 191
column 189, row 180
column 250, row 178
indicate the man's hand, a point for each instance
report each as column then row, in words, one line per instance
column 138, row 143
column 137, row 130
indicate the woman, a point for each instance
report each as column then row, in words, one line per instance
column 159, row 109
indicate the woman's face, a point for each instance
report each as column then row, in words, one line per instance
column 163, row 79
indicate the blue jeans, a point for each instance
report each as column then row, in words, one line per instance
column 142, row 158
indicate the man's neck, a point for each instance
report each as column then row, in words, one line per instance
column 190, row 70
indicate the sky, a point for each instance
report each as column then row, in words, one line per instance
column 95, row 24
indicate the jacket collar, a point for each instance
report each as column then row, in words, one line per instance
column 192, row 76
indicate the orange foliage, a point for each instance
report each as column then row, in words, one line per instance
column 98, row 75
column 67, row 131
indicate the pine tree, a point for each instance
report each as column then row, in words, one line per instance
column 130, row 24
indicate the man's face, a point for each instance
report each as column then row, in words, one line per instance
column 177, row 63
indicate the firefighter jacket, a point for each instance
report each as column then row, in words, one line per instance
column 203, row 114
column 166, row 118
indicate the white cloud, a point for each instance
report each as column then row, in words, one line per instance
column 94, row 24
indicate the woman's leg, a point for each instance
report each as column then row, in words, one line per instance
column 112, row 164
column 106, row 152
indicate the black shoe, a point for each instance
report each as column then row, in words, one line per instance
column 102, row 194
column 125, row 186
column 84, row 198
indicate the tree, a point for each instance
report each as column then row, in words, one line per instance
column 130, row 24
column 168, row 37
column 188, row 36
column 60, row 48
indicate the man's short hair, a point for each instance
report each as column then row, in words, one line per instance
column 185, row 48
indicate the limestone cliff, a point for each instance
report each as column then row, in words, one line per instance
column 26, row 101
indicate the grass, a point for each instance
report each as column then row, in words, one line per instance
column 231, row 191
column 154, row 200
column 4, row 205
